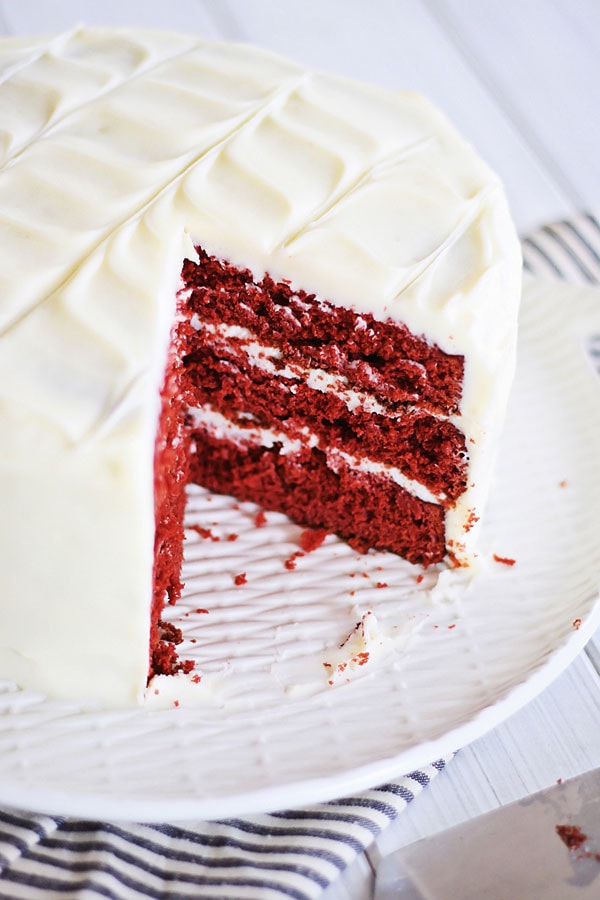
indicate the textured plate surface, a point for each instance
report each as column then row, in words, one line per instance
column 284, row 715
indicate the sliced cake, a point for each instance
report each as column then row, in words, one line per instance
column 222, row 268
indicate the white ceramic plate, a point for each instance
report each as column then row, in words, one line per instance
column 445, row 664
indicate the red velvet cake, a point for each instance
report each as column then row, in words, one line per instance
column 219, row 267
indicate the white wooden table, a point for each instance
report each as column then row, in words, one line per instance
column 520, row 78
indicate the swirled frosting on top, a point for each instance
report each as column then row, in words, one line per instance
column 118, row 149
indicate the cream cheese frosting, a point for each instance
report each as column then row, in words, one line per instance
column 118, row 150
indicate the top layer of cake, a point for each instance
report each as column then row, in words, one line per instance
column 118, row 150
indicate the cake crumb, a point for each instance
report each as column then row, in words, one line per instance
column 240, row 579
column 260, row 519
column 506, row 560
column 381, row 584
column 450, row 627
column 205, row 533
column 577, row 624
column 196, row 679
column 290, row 563
column 571, row 835
column 359, row 628
column 200, row 610
column 452, row 560
column 563, row 483
column 175, row 702
column 420, row 578
column 311, row 538
column 471, row 520
column 232, row 537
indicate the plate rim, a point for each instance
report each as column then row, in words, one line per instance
column 349, row 780
column 310, row 792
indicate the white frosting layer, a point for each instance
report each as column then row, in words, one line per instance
column 116, row 147
column 214, row 423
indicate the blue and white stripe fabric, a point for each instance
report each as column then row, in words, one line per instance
column 292, row 855
column 295, row 854
column 568, row 250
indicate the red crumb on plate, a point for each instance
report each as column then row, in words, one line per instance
column 290, row 563
column 311, row 538
column 571, row 835
column 576, row 624
column 452, row 560
column 205, row 533
column 471, row 520
column 240, row 579
column 505, row 560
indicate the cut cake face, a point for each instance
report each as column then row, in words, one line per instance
column 219, row 266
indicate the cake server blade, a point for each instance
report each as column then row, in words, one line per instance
column 545, row 846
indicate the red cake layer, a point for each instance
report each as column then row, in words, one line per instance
column 432, row 450
column 171, row 473
column 382, row 357
column 367, row 510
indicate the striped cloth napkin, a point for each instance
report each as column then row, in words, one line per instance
column 273, row 856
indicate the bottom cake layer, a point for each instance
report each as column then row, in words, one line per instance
column 367, row 510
